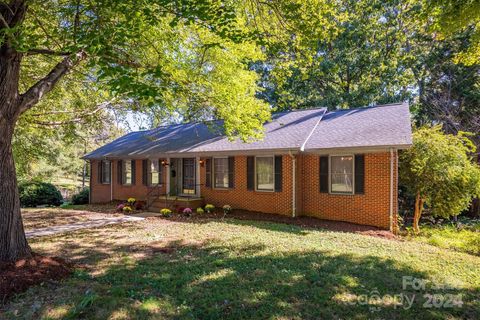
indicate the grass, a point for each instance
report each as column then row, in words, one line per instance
column 212, row 269
column 465, row 238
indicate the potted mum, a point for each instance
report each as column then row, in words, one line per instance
column 227, row 209
column 166, row 212
column 209, row 208
column 187, row 212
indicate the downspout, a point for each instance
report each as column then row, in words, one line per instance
column 391, row 189
column 111, row 181
column 90, row 183
column 294, row 187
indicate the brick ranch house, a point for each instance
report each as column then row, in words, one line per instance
column 336, row 165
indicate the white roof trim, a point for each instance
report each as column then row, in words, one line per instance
column 302, row 148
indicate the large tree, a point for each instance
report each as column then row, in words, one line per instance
column 156, row 54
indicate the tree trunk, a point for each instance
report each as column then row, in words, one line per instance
column 418, row 213
column 13, row 243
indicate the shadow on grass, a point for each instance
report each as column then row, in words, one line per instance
column 211, row 281
column 171, row 279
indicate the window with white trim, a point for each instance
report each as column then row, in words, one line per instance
column 341, row 174
column 106, row 172
column 153, row 172
column 264, row 171
column 127, row 171
column 220, row 172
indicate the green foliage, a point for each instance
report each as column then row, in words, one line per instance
column 451, row 17
column 34, row 194
column 82, row 197
column 439, row 168
column 461, row 236
column 200, row 210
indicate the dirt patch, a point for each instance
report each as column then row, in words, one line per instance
column 19, row 276
column 47, row 217
column 308, row 222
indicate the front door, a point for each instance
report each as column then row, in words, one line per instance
column 188, row 176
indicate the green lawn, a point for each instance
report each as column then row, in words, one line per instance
column 158, row 269
column 464, row 239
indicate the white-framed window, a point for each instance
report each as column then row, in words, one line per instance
column 220, row 172
column 153, row 172
column 265, row 173
column 105, row 174
column 341, row 174
column 127, row 171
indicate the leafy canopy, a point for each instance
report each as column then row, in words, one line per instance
column 439, row 168
column 186, row 58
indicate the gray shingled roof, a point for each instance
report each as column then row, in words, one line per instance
column 368, row 127
column 387, row 125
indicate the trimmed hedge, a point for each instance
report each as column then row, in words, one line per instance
column 34, row 194
column 81, row 197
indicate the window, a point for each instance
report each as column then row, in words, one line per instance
column 154, row 172
column 105, row 173
column 341, row 174
column 127, row 171
column 220, row 172
column 264, row 173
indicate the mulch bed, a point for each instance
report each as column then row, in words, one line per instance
column 308, row 222
column 19, row 276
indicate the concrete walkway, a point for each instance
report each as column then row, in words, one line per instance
column 95, row 223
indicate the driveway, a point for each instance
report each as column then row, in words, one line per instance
column 65, row 228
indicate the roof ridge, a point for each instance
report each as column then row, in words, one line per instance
column 302, row 148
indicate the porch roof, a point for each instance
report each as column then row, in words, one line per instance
column 310, row 129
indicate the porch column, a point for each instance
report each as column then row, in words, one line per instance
column 197, row 177
column 167, row 177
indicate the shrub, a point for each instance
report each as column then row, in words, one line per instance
column 34, row 194
column 209, row 208
column 81, row 197
column 120, row 207
column 200, row 210
column 127, row 209
column 180, row 209
column 166, row 212
column 131, row 201
column 138, row 205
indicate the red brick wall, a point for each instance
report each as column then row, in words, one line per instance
column 101, row 192
column 242, row 198
column 371, row 208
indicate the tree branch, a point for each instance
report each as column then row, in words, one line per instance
column 45, row 85
column 48, row 52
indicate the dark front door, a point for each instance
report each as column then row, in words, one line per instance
column 188, row 176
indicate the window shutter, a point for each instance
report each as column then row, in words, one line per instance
column 134, row 171
column 100, row 171
column 251, row 173
column 145, row 172
column 359, row 174
column 119, row 172
column 324, row 174
column 231, row 172
column 278, row 173
column 208, row 172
